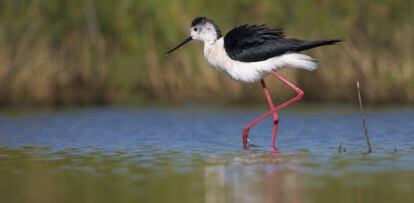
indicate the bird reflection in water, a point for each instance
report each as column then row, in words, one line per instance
column 256, row 177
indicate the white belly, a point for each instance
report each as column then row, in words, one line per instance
column 248, row 72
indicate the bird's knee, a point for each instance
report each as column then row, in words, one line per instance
column 300, row 94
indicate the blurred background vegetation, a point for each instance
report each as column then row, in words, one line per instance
column 87, row 52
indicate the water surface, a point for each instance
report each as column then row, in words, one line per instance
column 122, row 154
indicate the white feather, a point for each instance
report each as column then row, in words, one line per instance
column 248, row 72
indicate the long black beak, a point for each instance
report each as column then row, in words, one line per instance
column 181, row 44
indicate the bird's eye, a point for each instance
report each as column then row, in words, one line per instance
column 195, row 29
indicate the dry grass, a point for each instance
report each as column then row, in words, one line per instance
column 90, row 52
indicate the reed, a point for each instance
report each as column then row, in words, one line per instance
column 364, row 123
column 57, row 52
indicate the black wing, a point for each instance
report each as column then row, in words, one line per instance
column 250, row 43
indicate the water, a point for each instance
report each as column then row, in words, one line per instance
column 163, row 155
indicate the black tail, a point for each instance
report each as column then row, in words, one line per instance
column 305, row 45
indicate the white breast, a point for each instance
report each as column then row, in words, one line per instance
column 248, row 72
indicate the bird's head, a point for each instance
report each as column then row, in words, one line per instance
column 203, row 29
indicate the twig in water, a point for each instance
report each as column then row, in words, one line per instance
column 364, row 124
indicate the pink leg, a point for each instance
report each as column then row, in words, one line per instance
column 271, row 106
column 283, row 105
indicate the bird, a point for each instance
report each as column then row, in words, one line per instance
column 249, row 53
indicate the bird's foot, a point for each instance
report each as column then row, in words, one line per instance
column 244, row 138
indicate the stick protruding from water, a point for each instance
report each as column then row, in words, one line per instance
column 364, row 123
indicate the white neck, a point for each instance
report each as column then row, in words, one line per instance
column 209, row 39
column 209, row 44
column 215, row 54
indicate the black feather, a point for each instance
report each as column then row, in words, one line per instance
column 198, row 20
column 250, row 43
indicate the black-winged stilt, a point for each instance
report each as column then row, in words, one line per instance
column 248, row 53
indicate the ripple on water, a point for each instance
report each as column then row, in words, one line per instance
column 137, row 154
